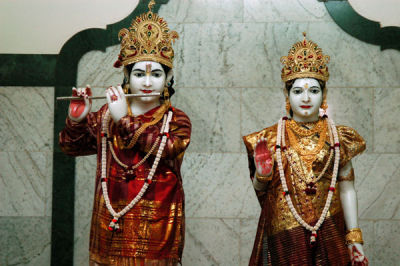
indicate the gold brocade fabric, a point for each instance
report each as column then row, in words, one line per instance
column 152, row 232
column 276, row 216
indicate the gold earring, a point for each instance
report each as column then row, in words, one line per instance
column 126, row 88
column 324, row 105
column 288, row 106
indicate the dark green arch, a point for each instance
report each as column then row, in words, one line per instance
column 361, row 28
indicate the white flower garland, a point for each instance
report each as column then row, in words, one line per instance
column 113, row 226
column 280, row 139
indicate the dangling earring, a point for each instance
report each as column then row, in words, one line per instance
column 288, row 107
column 324, row 105
column 166, row 94
column 126, row 88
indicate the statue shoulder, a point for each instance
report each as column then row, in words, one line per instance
column 251, row 139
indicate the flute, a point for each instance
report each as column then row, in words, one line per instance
column 65, row 98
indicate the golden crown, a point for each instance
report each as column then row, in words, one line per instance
column 147, row 39
column 305, row 60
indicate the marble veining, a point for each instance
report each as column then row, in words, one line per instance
column 386, row 120
column 209, row 240
column 215, row 118
column 218, row 185
column 378, row 183
column 26, row 118
column 282, row 11
column 25, row 179
column 205, row 11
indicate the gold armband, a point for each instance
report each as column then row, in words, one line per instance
column 354, row 236
column 349, row 177
column 263, row 179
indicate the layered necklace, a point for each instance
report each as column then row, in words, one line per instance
column 114, row 226
column 307, row 156
column 281, row 145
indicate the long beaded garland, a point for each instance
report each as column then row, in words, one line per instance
column 280, row 139
column 113, row 226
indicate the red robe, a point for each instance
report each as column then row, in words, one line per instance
column 154, row 227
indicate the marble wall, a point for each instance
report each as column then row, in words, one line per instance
column 228, row 81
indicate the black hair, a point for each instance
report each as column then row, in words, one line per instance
column 289, row 85
column 166, row 69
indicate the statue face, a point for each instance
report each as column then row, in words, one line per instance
column 305, row 98
column 147, row 77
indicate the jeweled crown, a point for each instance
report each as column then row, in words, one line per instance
column 305, row 60
column 147, row 39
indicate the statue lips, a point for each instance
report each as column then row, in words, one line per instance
column 306, row 106
column 147, row 91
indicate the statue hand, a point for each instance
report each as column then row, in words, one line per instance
column 263, row 158
column 357, row 255
column 79, row 109
column 116, row 103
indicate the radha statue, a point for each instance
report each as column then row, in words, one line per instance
column 138, row 210
column 302, row 174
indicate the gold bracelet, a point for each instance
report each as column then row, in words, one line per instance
column 263, row 179
column 354, row 236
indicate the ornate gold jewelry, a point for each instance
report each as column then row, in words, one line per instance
column 157, row 116
column 287, row 106
column 263, row 179
column 166, row 93
column 147, row 39
column 324, row 105
column 349, row 177
column 305, row 60
column 354, row 236
column 307, row 156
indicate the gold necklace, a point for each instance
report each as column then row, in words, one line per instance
column 304, row 132
column 307, row 156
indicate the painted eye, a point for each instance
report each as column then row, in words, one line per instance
column 315, row 91
column 297, row 91
column 157, row 74
column 138, row 74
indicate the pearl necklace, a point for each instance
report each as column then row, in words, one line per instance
column 113, row 226
column 280, row 139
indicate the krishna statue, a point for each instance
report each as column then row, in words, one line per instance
column 138, row 209
column 302, row 173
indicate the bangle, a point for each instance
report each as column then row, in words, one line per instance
column 354, row 236
column 263, row 179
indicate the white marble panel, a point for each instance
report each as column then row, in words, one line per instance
column 85, row 173
column 248, row 230
column 215, row 118
column 386, row 120
column 387, row 242
column 81, row 241
column 283, row 11
column 25, row 179
column 377, row 184
column 205, row 11
column 96, row 68
column 211, row 242
column 248, row 55
column 354, row 108
column 261, row 108
column 218, row 185
column 26, row 118
column 25, row 240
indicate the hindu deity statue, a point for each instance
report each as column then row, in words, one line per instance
column 302, row 173
column 138, row 209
